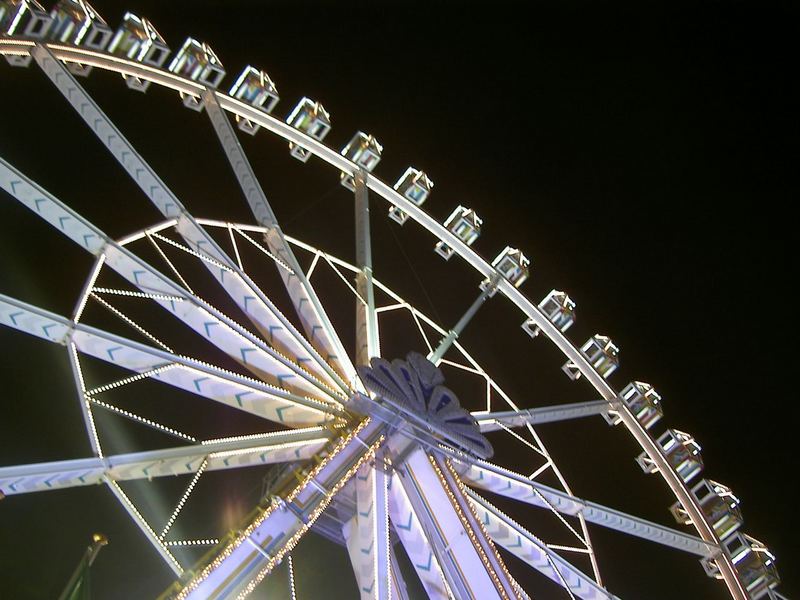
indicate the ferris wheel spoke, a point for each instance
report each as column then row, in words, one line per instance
column 189, row 374
column 489, row 477
column 218, row 329
column 399, row 588
column 219, row 455
column 416, row 542
column 367, row 534
column 523, row 544
column 264, row 543
column 316, row 323
column 262, row 312
column 471, row 566
column 492, row 421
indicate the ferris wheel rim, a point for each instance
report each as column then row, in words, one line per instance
column 163, row 77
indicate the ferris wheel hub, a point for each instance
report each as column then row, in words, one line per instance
column 414, row 390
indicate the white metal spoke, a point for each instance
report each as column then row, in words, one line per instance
column 486, row 476
column 262, row 545
column 131, row 323
column 192, row 375
column 514, row 538
column 309, row 379
column 241, row 289
column 310, row 310
column 131, row 416
column 470, row 564
column 367, row 534
column 218, row 455
column 417, row 545
column 535, row 416
column 218, row 329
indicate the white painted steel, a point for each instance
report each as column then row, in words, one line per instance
column 189, row 374
column 640, row 434
column 534, row 416
column 490, row 477
column 220, row 455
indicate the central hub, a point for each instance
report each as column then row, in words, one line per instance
column 415, row 389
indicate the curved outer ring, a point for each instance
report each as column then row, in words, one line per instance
column 166, row 78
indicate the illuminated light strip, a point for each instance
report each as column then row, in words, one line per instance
column 140, row 520
column 322, row 408
column 468, row 528
column 184, row 498
column 142, row 420
column 290, row 544
column 561, row 518
column 204, row 257
column 84, row 298
column 295, row 336
column 277, row 260
column 164, row 257
column 273, row 354
column 131, row 379
column 311, row 519
column 86, row 407
column 149, row 296
column 291, row 578
column 259, row 449
column 180, row 543
column 257, row 436
column 343, row 278
column 523, row 440
column 131, row 322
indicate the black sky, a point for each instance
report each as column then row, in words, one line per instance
column 642, row 157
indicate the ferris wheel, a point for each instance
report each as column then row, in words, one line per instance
column 386, row 446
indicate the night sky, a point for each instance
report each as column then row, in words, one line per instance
column 639, row 156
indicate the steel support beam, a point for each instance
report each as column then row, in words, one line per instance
column 250, row 451
column 269, row 320
column 524, row 545
column 486, row 476
column 217, row 328
column 315, row 321
column 471, row 566
column 367, row 338
column 367, row 534
column 243, row 563
column 416, row 542
column 534, row 416
column 436, row 356
column 189, row 374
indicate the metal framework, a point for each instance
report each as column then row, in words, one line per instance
column 374, row 466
